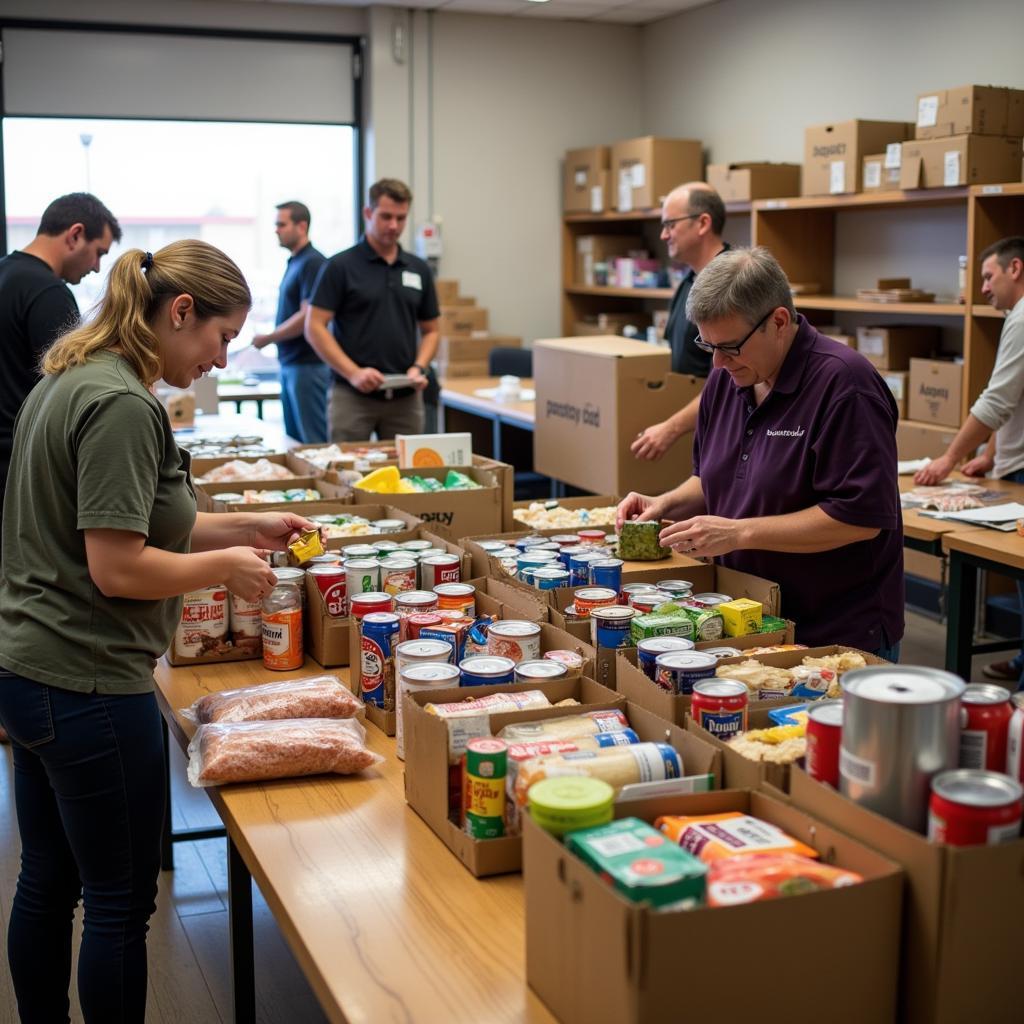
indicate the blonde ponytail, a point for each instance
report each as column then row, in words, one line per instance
column 137, row 287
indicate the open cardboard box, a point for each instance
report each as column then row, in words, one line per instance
column 414, row 529
column 332, row 495
column 593, row 957
column 296, row 466
column 586, row 501
column 493, row 597
column 427, row 771
column 962, row 914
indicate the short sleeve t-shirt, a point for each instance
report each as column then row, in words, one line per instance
column 93, row 450
column 297, row 287
column 824, row 437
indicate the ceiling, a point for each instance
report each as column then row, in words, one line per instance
column 623, row 12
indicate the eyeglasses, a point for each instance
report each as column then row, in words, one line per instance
column 668, row 225
column 731, row 348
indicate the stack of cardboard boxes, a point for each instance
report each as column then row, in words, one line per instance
column 466, row 341
column 892, row 350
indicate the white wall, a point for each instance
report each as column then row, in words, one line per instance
column 746, row 76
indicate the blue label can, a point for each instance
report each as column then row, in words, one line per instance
column 579, row 566
column 565, row 554
column 606, row 572
column 530, row 560
column 677, row 672
column 648, row 651
column 379, row 635
column 550, row 577
column 609, row 626
column 486, row 670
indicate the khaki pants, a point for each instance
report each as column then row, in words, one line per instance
column 355, row 417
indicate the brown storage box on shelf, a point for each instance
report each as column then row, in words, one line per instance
column 898, row 383
column 325, row 636
column 447, row 291
column 743, row 182
column 977, row 109
column 585, row 179
column 494, row 597
column 879, row 175
column 594, row 396
column 426, row 759
column 922, row 440
column 960, row 160
column 467, row 357
column 604, row 324
column 592, row 249
column 463, row 320
column 645, row 170
column 891, row 348
column 833, row 153
column 962, row 912
column 453, row 371
column 333, row 496
column 935, row 387
column 463, row 513
column 593, row 957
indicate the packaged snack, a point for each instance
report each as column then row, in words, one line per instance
column 306, row 546
column 470, row 719
column 767, row 876
column 588, row 724
column 814, row 683
column 715, row 836
column 312, row 697
column 792, row 714
column 638, row 542
column 782, row 744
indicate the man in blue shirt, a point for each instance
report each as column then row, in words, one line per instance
column 305, row 379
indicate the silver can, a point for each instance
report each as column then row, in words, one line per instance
column 419, row 675
column 362, row 576
column 540, row 671
column 514, row 638
column 384, row 548
column 416, row 547
column 901, row 727
column 713, row 600
column 390, row 525
column 677, row 588
column 358, row 551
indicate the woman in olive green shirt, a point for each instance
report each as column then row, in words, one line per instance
column 100, row 538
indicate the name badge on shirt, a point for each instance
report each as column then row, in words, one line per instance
column 411, row 280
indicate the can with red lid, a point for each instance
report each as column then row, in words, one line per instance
column 592, row 537
column 824, row 738
column 438, row 569
column 589, row 598
column 331, row 582
column 412, row 624
column 564, row 540
column 720, row 706
column 1015, row 739
column 361, row 605
column 971, row 807
column 985, row 714
column 456, row 597
column 645, row 601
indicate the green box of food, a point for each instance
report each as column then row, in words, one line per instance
column 644, row 626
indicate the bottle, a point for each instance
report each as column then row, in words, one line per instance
column 282, row 627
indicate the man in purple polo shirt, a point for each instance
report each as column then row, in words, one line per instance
column 794, row 462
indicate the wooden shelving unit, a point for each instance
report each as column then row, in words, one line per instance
column 848, row 304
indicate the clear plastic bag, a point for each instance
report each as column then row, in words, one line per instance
column 259, row 751
column 324, row 696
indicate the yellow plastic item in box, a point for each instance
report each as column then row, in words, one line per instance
column 386, row 480
column 742, row 616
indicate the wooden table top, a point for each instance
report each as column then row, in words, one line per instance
column 384, row 920
column 461, row 389
column 239, row 392
column 925, row 528
column 994, row 545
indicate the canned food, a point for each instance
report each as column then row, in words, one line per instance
column 985, row 723
column 203, row 626
column 327, row 558
column 377, row 641
column 485, row 670
column 1015, row 739
column 711, row 599
column 421, row 652
column 565, row 539
column 246, row 619
column 579, row 566
column 361, row 605
column 533, row 559
column 547, row 577
column 358, row 551
column 390, row 525
column 723, row 652
column 543, row 670
column 971, row 807
column 589, row 598
column 362, row 576
column 824, row 738
column 483, row 787
column 438, row 569
column 609, row 626
column 282, row 628
column 708, row 623
column 572, row 660
column 410, row 603
column 635, row 588
column 645, row 601
column 397, row 574
column 456, row 597
column 648, row 651
column 565, row 554
column 383, row 548
column 720, row 706
column 677, row 588
column 676, row 672
column 592, row 537
column 332, row 582
column 416, row 547
column 515, row 639
column 413, row 624
column 606, row 572
column 420, row 676
column 492, row 547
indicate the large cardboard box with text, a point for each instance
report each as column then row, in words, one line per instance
column 645, row 170
column 960, row 160
column 834, row 153
column 978, row 109
column 594, row 396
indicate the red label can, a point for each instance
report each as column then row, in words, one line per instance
column 438, row 569
column 331, row 580
column 361, row 605
column 720, row 706
column 412, row 624
column 970, row 807
column 824, row 733
column 592, row 537
column 985, row 721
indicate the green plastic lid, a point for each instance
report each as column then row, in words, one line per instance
column 564, row 804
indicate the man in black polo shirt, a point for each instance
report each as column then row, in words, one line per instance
column 384, row 307
column 692, row 222
column 305, row 379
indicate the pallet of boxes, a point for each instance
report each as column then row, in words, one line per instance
column 466, row 340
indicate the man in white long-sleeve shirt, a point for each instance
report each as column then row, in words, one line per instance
column 1000, row 407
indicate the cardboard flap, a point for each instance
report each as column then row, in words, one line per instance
column 910, row 172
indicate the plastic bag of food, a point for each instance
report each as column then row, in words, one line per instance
column 456, row 481
column 767, row 876
column 714, row 836
column 587, row 724
column 257, row 751
column 311, row 697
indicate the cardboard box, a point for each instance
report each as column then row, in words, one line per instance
column 833, row 153
column 296, row 466
column 935, row 388
column 228, row 652
column 977, row 109
column 645, row 170
column 413, row 527
column 334, row 496
column 594, row 396
column 897, row 381
column 464, row 513
column 737, row 183
column 925, row 567
column 891, row 348
column 603, row 324
column 593, row 249
column 418, row 451
column 585, row 501
column 427, row 768
column 962, row 913
column 960, row 160
column 354, row 455
column 593, row 957
column 454, row 371
column 922, row 440
column 463, row 350
column 447, row 291
column 881, row 171
column 583, row 188
column 463, row 320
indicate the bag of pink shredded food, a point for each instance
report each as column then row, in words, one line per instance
column 322, row 696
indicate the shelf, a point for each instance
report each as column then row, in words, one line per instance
column 846, row 304
column 863, row 200
column 939, row 428
column 983, row 309
column 1015, row 188
column 663, row 294
column 613, row 217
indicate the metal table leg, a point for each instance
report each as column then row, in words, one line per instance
column 963, row 589
column 243, row 969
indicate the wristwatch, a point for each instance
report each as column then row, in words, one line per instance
column 421, row 368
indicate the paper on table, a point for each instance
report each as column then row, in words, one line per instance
column 1009, row 512
column 907, row 466
column 525, row 395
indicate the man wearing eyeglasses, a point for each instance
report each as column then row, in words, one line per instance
column 794, row 462
column 692, row 222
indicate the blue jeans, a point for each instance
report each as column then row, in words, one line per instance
column 304, row 390
column 1017, row 663
column 891, row 652
column 89, row 792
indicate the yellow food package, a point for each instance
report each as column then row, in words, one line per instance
column 742, row 616
column 714, row 836
column 306, row 546
column 385, row 480
column 406, row 486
